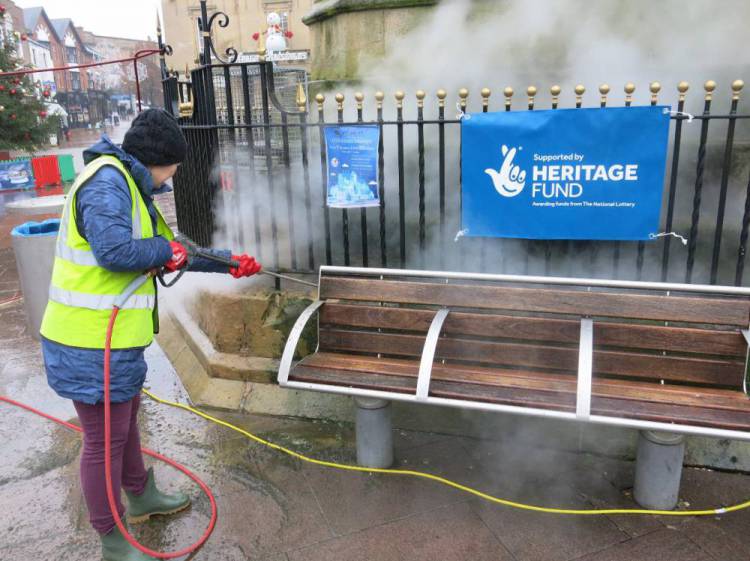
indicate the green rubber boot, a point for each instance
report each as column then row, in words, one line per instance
column 152, row 501
column 116, row 548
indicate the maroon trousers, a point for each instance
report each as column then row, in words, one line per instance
column 128, row 471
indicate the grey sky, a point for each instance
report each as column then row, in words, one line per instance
column 134, row 19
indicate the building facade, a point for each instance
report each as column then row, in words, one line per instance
column 246, row 17
column 121, row 77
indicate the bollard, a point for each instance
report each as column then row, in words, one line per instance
column 374, row 432
column 658, row 469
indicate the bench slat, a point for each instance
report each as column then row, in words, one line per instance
column 543, row 381
column 661, row 412
column 656, row 337
column 720, row 311
column 637, row 365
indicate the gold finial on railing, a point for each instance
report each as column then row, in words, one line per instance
column 580, row 89
column 508, row 93
column 604, row 90
column 531, row 92
column 339, row 101
column 441, row 95
column 709, row 86
column 301, row 97
column 737, row 86
column 420, row 98
column 463, row 93
column 555, row 92
column 629, row 89
column 399, row 99
column 655, row 88
column 486, row 93
column 359, row 97
column 379, row 97
column 186, row 108
column 320, row 98
column 262, row 48
column 682, row 87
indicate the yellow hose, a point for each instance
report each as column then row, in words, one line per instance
column 443, row 480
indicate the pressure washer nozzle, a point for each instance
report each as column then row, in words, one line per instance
column 287, row 277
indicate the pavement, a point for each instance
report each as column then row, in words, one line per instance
column 274, row 508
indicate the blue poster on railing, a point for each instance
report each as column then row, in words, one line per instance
column 585, row 174
column 16, row 174
column 352, row 166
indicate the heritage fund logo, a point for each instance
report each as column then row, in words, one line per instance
column 510, row 180
column 556, row 177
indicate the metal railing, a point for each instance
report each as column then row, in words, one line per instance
column 252, row 179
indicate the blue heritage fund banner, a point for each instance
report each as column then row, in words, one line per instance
column 585, row 174
column 352, row 153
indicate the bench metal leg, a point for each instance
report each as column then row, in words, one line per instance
column 658, row 469
column 374, row 432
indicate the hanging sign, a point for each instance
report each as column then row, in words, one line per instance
column 352, row 166
column 584, row 174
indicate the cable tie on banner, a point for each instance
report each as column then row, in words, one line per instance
column 680, row 113
column 663, row 234
column 460, row 234
column 461, row 113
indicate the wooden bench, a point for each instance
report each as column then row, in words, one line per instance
column 664, row 358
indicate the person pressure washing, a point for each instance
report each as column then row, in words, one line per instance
column 111, row 232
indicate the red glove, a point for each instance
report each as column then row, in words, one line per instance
column 248, row 266
column 179, row 257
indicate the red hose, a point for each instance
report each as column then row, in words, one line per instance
column 108, row 460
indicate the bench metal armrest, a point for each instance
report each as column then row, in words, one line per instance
column 585, row 367
column 428, row 353
column 291, row 343
column 746, row 377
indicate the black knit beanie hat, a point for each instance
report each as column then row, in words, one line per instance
column 155, row 139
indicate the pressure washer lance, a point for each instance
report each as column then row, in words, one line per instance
column 196, row 251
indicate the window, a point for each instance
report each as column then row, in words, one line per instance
column 72, row 54
column 75, row 81
column 284, row 22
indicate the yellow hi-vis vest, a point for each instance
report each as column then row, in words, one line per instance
column 82, row 293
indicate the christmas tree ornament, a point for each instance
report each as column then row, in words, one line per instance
column 13, row 117
column 2, row 107
column 43, row 114
column 12, row 91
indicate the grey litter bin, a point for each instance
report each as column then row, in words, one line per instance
column 34, row 246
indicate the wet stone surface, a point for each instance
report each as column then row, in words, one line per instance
column 273, row 507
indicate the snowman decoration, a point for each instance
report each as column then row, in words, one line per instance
column 275, row 38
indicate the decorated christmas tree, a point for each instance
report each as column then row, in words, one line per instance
column 24, row 123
